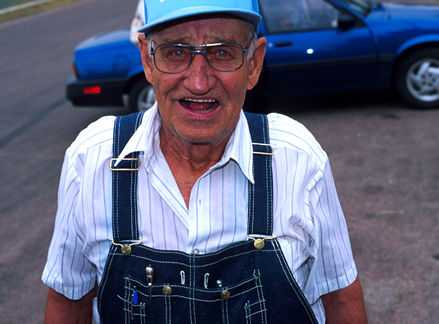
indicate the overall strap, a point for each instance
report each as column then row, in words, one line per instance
column 260, row 195
column 124, row 180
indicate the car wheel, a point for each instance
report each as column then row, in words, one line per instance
column 418, row 79
column 141, row 96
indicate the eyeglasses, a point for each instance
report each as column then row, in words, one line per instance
column 176, row 58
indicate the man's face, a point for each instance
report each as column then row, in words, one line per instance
column 202, row 105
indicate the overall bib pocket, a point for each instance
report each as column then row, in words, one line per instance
column 170, row 303
column 134, row 307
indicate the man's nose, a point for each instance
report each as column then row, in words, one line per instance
column 199, row 75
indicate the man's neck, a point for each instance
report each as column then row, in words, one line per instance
column 188, row 161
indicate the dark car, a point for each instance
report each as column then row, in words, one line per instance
column 314, row 47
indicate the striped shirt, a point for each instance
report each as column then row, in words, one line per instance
column 308, row 219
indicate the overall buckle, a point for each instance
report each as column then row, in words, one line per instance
column 131, row 164
column 126, row 248
column 259, row 240
column 264, row 149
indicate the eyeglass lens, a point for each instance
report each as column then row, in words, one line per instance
column 174, row 58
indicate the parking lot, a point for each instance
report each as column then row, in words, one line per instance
column 385, row 159
column 385, row 162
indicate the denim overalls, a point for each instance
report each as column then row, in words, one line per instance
column 247, row 282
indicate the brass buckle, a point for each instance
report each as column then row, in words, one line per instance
column 262, row 153
column 126, row 248
column 123, row 169
column 259, row 240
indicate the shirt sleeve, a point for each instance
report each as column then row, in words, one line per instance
column 333, row 265
column 67, row 269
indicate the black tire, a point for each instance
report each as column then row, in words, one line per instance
column 416, row 80
column 141, row 96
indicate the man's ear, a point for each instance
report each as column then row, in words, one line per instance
column 256, row 62
column 146, row 58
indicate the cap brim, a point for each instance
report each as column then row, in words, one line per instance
column 174, row 16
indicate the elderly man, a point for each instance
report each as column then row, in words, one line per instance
column 195, row 212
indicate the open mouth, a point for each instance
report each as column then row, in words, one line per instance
column 199, row 105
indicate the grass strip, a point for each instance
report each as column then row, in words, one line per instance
column 10, row 3
column 35, row 9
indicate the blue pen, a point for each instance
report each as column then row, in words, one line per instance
column 135, row 297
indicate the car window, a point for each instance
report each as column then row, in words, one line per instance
column 360, row 6
column 298, row 15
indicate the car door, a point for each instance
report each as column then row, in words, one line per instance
column 314, row 47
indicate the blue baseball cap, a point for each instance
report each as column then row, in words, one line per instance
column 161, row 12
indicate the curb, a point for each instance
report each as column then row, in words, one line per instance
column 23, row 6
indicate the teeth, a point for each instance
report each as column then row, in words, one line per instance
column 200, row 100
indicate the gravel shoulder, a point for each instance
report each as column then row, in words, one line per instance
column 29, row 11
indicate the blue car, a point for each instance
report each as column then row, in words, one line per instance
column 314, row 47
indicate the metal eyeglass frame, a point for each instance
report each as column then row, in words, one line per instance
column 199, row 50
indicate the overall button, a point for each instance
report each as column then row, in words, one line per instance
column 225, row 294
column 167, row 290
column 125, row 249
column 259, row 244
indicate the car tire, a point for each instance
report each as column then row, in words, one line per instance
column 418, row 79
column 141, row 96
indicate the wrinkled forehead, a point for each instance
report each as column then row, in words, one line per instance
column 205, row 29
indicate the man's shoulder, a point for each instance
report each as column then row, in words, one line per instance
column 96, row 136
column 289, row 134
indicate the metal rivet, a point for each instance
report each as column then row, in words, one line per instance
column 167, row 290
column 259, row 244
column 125, row 249
column 225, row 294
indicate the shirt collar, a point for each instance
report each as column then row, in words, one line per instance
column 143, row 138
column 239, row 148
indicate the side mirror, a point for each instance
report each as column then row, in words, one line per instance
column 346, row 21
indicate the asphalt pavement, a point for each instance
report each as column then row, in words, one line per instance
column 384, row 157
column 37, row 125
